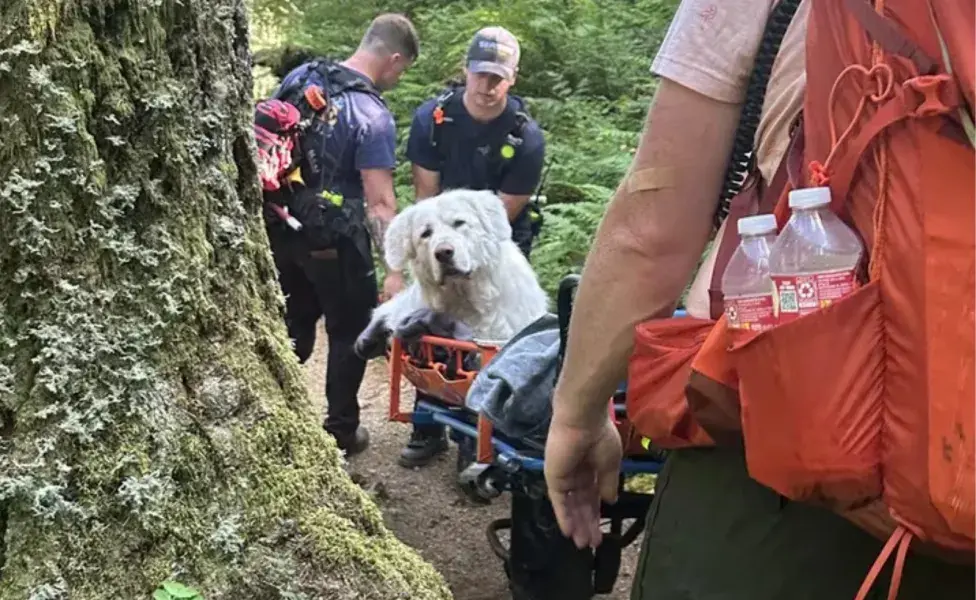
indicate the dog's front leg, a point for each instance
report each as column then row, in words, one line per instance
column 371, row 343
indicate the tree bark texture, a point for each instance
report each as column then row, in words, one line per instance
column 153, row 420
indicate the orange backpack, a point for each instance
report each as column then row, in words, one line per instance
column 866, row 406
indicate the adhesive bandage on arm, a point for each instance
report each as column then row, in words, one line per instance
column 651, row 178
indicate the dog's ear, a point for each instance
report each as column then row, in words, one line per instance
column 398, row 242
column 491, row 210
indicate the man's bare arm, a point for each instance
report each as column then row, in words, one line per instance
column 380, row 205
column 426, row 184
column 514, row 204
column 647, row 246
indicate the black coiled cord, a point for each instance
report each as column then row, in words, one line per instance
column 743, row 156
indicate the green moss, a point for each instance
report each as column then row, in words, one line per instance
column 156, row 424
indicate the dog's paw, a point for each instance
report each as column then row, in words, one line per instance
column 415, row 325
column 371, row 343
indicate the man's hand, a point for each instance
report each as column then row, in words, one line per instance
column 582, row 467
column 643, row 255
column 392, row 285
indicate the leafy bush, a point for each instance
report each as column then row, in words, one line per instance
column 585, row 74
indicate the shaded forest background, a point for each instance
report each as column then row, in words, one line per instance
column 585, row 73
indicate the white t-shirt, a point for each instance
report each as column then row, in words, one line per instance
column 710, row 47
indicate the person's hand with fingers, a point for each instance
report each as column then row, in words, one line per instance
column 582, row 467
column 392, row 285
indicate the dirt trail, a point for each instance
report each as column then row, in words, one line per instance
column 423, row 507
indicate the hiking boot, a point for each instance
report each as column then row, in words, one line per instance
column 422, row 448
column 355, row 443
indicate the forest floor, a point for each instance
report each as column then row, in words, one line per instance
column 424, row 507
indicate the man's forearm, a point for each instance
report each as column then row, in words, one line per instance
column 625, row 281
column 378, row 217
column 647, row 246
column 514, row 205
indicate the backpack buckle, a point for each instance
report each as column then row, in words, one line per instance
column 930, row 95
column 315, row 97
column 439, row 117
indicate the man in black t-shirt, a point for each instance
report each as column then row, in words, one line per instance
column 477, row 136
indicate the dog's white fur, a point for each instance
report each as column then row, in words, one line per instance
column 490, row 287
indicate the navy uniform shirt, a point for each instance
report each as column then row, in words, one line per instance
column 364, row 137
column 469, row 153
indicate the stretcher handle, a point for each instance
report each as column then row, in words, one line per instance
column 564, row 310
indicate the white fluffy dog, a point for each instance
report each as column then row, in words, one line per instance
column 458, row 247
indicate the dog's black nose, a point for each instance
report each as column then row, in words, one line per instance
column 444, row 254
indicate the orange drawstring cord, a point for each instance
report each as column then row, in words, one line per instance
column 900, row 539
column 876, row 257
column 883, row 77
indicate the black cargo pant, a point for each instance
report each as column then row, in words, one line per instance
column 339, row 284
column 522, row 236
column 713, row 532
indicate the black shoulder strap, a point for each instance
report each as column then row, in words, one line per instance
column 743, row 160
column 340, row 79
column 520, row 120
column 439, row 115
column 336, row 78
column 441, row 118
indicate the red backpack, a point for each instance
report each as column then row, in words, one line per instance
column 866, row 406
column 276, row 130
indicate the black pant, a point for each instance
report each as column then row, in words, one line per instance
column 521, row 235
column 341, row 285
column 714, row 532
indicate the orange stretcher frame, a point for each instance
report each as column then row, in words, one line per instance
column 431, row 380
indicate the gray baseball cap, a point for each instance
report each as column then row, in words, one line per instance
column 494, row 50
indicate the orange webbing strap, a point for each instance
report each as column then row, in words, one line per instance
column 901, row 539
column 885, row 35
column 927, row 94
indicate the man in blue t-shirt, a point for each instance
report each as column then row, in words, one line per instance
column 477, row 136
column 349, row 154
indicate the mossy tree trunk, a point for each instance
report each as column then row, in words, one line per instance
column 154, row 422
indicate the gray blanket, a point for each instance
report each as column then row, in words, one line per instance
column 514, row 390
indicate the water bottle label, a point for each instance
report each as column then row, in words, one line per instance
column 800, row 295
column 755, row 313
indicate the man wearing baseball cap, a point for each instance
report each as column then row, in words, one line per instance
column 477, row 136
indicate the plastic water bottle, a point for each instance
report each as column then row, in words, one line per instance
column 746, row 286
column 815, row 258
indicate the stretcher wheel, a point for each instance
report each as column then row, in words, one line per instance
column 475, row 479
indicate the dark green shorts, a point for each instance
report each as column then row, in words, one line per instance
column 715, row 534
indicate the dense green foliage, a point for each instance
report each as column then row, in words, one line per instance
column 585, row 74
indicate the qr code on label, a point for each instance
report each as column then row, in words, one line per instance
column 787, row 301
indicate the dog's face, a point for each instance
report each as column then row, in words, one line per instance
column 448, row 236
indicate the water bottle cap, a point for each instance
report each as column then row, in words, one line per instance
column 810, row 197
column 757, row 225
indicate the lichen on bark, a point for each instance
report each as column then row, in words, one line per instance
column 153, row 421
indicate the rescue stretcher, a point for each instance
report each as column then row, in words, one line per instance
column 539, row 562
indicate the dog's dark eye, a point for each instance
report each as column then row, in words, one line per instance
column 426, row 233
column 458, row 223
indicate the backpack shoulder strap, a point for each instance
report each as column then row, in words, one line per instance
column 335, row 78
column 741, row 190
column 521, row 118
column 742, row 163
column 339, row 79
column 439, row 116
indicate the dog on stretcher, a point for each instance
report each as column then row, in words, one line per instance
column 466, row 271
